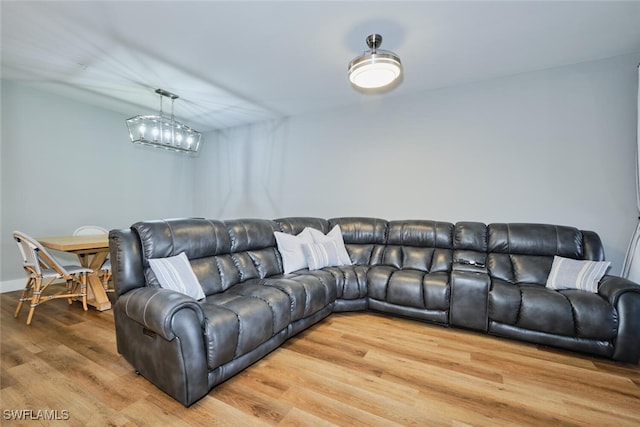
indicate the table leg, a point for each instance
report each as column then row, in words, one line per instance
column 96, row 295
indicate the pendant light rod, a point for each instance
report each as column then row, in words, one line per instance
column 374, row 41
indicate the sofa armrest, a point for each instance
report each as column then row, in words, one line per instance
column 160, row 332
column 126, row 261
column 624, row 296
column 612, row 288
column 155, row 308
column 469, row 307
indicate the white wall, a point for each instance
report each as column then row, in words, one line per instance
column 65, row 164
column 552, row 146
column 240, row 174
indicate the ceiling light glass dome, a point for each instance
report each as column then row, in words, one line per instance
column 375, row 68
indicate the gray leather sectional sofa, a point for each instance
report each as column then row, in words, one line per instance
column 488, row 278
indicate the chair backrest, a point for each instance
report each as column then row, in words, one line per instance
column 87, row 230
column 35, row 257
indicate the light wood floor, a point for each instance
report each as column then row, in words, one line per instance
column 350, row 369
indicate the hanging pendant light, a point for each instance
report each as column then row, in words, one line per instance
column 376, row 68
column 162, row 131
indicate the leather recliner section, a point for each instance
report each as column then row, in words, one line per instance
column 489, row 278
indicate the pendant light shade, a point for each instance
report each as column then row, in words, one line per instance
column 375, row 68
column 164, row 131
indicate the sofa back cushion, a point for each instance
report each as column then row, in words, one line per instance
column 419, row 245
column 364, row 238
column 200, row 239
column 196, row 237
column 221, row 253
column 523, row 253
column 253, row 248
column 295, row 225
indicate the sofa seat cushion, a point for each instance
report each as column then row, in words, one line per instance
column 308, row 291
column 242, row 318
column 572, row 313
column 408, row 287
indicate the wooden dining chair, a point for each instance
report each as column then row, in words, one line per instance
column 42, row 270
column 105, row 268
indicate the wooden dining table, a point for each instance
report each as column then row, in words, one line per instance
column 92, row 251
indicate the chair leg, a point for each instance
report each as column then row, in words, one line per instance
column 83, row 290
column 70, row 290
column 105, row 281
column 35, row 298
column 24, row 296
column 78, row 287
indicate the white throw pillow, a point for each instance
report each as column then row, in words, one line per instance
column 335, row 235
column 176, row 273
column 320, row 255
column 567, row 273
column 290, row 248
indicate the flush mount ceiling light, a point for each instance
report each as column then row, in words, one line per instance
column 162, row 131
column 375, row 68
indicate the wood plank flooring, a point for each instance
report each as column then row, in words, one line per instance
column 356, row 369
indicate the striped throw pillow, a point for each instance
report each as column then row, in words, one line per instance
column 320, row 255
column 176, row 273
column 334, row 235
column 567, row 273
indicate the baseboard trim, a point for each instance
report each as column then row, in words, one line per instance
column 12, row 285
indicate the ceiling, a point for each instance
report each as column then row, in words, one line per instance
column 238, row 62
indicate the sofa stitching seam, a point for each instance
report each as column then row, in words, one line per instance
column 217, row 259
column 573, row 314
column 273, row 313
column 235, row 353
column 518, row 314
column 423, row 289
